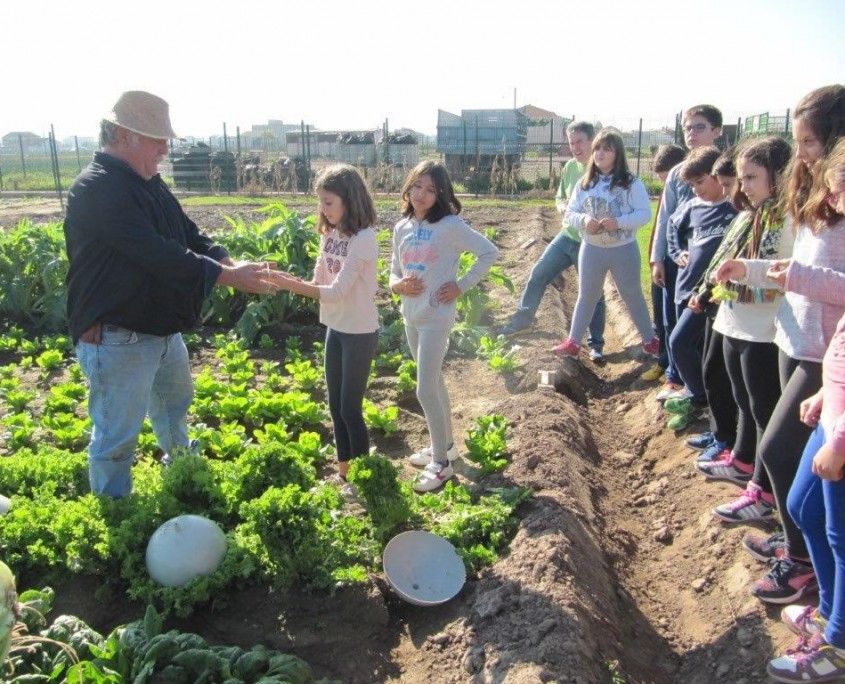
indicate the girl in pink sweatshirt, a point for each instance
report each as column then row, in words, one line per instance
column 816, row 500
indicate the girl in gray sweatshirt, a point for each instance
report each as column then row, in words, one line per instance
column 427, row 246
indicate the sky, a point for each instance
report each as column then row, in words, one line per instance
column 353, row 64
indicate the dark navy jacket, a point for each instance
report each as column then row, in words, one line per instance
column 136, row 259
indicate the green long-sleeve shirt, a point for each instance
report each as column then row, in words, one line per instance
column 573, row 170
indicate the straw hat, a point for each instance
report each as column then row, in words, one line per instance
column 144, row 113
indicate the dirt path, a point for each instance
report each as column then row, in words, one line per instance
column 684, row 577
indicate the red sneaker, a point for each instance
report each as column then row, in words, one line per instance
column 652, row 346
column 568, row 347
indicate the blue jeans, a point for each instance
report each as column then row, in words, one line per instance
column 686, row 345
column 659, row 328
column 560, row 254
column 818, row 508
column 670, row 316
column 133, row 375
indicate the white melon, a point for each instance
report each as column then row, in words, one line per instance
column 183, row 548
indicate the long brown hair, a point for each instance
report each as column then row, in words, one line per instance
column 359, row 212
column 823, row 110
column 818, row 208
column 621, row 176
column 773, row 154
column 446, row 202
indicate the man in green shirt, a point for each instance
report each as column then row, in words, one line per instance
column 562, row 252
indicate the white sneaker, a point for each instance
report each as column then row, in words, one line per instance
column 433, row 476
column 667, row 392
column 348, row 491
column 424, row 456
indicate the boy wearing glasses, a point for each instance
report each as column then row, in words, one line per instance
column 702, row 126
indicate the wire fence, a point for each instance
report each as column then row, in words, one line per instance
column 514, row 152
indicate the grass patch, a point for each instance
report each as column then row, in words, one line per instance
column 642, row 240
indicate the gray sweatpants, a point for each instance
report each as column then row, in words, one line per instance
column 428, row 347
column 623, row 262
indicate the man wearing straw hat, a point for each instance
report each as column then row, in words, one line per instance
column 139, row 272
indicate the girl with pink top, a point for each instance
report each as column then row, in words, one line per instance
column 345, row 284
column 816, row 499
column 803, row 330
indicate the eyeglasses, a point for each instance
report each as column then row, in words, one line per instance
column 698, row 128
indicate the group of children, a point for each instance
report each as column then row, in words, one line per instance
column 747, row 256
column 757, row 302
column 427, row 245
column 748, row 267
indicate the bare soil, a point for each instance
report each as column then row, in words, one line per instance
column 618, row 571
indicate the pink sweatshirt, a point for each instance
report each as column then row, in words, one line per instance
column 345, row 272
column 827, row 286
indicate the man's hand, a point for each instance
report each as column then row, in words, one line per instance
column 448, row 292
column 258, row 278
column 409, row 286
column 94, row 334
column 658, row 273
column 732, row 269
column 777, row 272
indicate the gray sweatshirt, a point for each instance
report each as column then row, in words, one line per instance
column 432, row 252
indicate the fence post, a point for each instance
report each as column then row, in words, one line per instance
column 738, row 129
column 639, row 145
column 386, row 142
column 308, row 147
column 786, row 127
column 78, row 160
column 1, row 175
column 55, row 158
column 23, row 162
column 551, row 146
column 225, row 138
column 477, row 154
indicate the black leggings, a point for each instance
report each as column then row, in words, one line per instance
column 717, row 386
column 348, row 360
column 753, row 369
column 786, row 436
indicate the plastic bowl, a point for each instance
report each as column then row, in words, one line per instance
column 423, row 568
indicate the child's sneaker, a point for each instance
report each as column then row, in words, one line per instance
column 348, row 491
column 702, row 441
column 424, row 456
column 786, row 582
column 652, row 347
column 653, row 374
column 812, row 661
column 596, row 356
column 678, row 405
column 669, row 390
column 514, row 325
column 803, row 620
column 765, row 549
column 752, row 505
column 433, row 476
column 727, row 469
column 568, row 347
column 717, row 451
